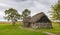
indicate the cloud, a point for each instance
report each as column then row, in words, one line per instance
column 35, row 6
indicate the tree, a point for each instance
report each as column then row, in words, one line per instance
column 56, row 12
column 12, row 15
column 26, row 13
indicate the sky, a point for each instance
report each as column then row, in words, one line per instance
column 36, row 6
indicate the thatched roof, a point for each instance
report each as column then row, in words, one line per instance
column 27, row 19
column 36, row 17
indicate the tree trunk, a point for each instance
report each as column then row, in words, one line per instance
column 13, row 23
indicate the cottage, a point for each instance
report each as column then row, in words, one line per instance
column 39, row 20
column 26, row 21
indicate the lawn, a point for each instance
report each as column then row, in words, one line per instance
column 9, row 29
column 55, row 30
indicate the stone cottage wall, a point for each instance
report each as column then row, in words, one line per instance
column 33, row 25
column 44, row 25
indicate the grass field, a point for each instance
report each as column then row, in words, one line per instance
column 9, row 29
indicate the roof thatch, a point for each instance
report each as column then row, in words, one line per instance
column 27, row 19
column 35, row 18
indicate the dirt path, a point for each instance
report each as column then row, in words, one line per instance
column 49, row 33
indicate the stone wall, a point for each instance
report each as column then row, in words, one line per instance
column 33, row 25
column 38, row 25
column 26, row 24
column 44, row 25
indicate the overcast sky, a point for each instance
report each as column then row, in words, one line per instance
column 36, row 6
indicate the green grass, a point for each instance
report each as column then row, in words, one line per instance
column 55, row 30
column 8, row 29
